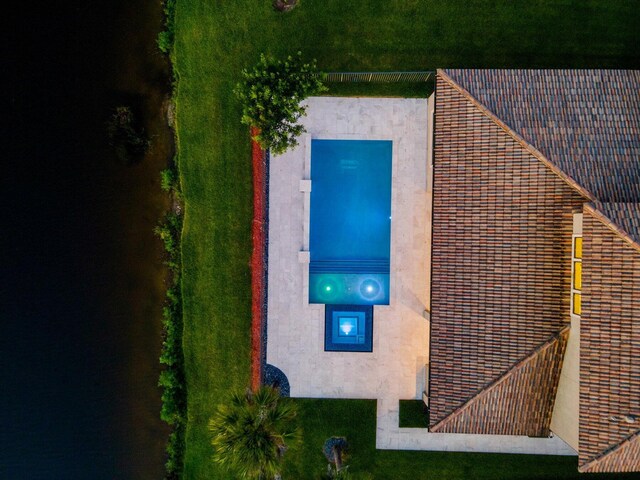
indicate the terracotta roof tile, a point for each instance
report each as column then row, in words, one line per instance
column 624, row 457
column 503, row 409
column 516, row 153
column 609, row 346
column 502, row 228
column 625, row 218
column 587, row 122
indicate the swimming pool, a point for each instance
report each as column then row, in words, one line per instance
column 350, row 224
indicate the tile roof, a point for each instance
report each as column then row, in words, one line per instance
column 586, row 122
column 502, row 225
column 624, row 218
column 609, row 349
column 503, row 409
column 584, row 127
column 624, row 457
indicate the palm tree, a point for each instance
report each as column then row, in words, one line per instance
column 250, row 435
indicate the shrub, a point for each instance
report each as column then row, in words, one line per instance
column 164, row 41
column 168, row 179
column 168, row 379
column 166, row 37
column 172, row 381
column 172, row 378
column 271, row 95
column 172, row 410
column 173, row 295
column 175, row 452
column 169, row 233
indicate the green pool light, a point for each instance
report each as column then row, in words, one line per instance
column 327, row 288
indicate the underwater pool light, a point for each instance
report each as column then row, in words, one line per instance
column 346, row 328
column 327, row 289
column 369, row 288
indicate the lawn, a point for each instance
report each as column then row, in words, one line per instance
column 355, row 420
column 413, row 414
column 216, row 39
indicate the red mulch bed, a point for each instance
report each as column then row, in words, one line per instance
column 257, row 260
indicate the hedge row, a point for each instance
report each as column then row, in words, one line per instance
column 172, row 378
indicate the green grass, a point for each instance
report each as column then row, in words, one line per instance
column 413, row 414
column 216, row 39
column 409, row 89
column 355, row 420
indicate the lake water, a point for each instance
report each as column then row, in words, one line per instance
column 82, row 281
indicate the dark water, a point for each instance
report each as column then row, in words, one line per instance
column 81, row 275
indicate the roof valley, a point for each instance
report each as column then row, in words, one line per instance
column 557, row 341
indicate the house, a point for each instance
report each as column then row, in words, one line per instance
column 506, row 255
column 535, row 265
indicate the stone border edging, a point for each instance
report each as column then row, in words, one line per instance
column 275, row 377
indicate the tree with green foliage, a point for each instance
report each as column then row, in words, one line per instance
column 251, row 434
column 271, row 95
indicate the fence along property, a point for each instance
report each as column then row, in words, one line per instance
column 377, row 77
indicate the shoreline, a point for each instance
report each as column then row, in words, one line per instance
column 145, row 83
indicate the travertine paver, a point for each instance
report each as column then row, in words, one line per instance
column 296, row 329
column 395, row 368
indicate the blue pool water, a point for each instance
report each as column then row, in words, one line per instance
column 350, row 231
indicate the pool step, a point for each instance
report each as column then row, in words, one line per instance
column 349, row 266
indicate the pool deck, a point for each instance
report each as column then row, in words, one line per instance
column 396, row 368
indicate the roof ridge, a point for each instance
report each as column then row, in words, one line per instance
column 506, row 375
column 593, row 209
column 517, row 137
column 635, row 436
